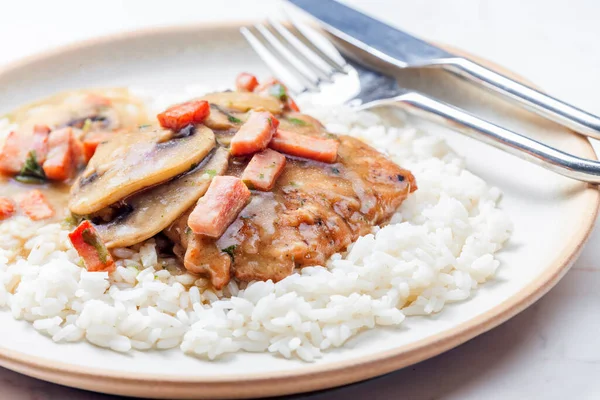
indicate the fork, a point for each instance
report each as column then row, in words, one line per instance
column 305, row 61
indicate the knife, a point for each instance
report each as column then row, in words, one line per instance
column 404, row 50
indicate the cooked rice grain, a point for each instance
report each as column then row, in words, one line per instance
column 438, row 248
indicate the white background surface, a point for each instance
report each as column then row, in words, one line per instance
column 552, row 350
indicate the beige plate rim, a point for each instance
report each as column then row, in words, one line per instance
column 313, row 377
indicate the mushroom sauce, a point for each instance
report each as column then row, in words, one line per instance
column 132, row 177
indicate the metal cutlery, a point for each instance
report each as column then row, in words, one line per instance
column 305, row 65
column 404, row 50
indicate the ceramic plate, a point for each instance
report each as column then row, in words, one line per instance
column 552, row 218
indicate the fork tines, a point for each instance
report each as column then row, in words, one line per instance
column 299, row 56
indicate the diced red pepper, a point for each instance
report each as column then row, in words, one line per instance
column 218, row 208
column 291, row 104
column 314, row 148
column 60, row 162
column 35, row 205
column 262, row 171
column 91, row 142
column 181, row 115
column 7, row 208
column 246, row 82
column 255, row 134
column 90, row 247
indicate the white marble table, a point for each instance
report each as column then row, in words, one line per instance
column 550, row 351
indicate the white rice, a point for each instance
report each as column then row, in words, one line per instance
column 438, row 248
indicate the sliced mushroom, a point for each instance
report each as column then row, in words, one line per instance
column 221, row 119
column 73, row 108
column 156, row 208
column 300, row 123
column 245, row 101
column 130, row 162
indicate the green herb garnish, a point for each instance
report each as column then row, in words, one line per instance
column 335, row 170
column 70, row 220
column 229, row 250
column 331, row 136
column 293, row 184
column 32, row 171
column 87, row 125
column 297, row 121
column 261, row 176
column 93, row 240
column 278, row 90
column 211, row 172
column 143, row 126
column 188, row 231
column 233, row 119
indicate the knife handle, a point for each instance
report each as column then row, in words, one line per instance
column 538, row 102
column 511, row 142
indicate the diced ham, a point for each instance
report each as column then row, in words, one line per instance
column 7, row 208
column 98, row 100
column 60, row 162
column 35, row 205
column 262, row 171
column 77, row 151
column 17, row 147
column 255, row 134
column 12, row 154
column 40, row 142
column 266, row 85
column 91, row 142
column 218, row 208
column 90, row 247
column 246, row 82
column 181, row 115
column 314, row 148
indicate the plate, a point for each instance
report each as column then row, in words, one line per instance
column 552, row 218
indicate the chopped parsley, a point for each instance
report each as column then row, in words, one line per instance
column 335, row 170
column 32, row 171
column 261, row 176
column 297, row 121
column 188, row 231
column 233, row 119
column 278, row 90
column 331, row 136
column 230, row 250
column 143, row 126
column 93, row 240
column 293, row 184
column 211, row 172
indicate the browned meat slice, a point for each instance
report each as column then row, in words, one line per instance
column 198, row 253
column 314, row 211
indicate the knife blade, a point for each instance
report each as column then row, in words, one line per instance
column 404, row 50
column 390, row 44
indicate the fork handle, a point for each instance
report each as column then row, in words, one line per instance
column 538, row 102
column 528, row 149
